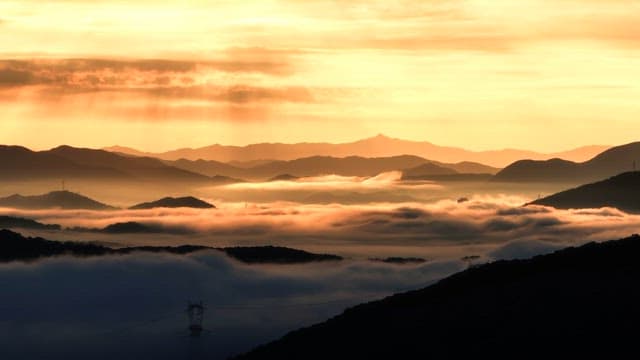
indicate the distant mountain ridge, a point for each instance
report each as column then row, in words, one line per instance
column 379, row 146
column 611, row 162
column 324, row 165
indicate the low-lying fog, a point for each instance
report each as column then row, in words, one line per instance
column 133, row 306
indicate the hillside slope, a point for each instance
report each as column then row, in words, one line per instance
column 577, row 302
column 621, row 191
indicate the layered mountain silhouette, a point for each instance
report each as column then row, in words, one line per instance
column 14, row 246
column 171, row 202
column 621, row 191
column 65, row 162
column 609, row 163
column 379, row 146
column 54, row 199
column 322, row 165
column 576, row 303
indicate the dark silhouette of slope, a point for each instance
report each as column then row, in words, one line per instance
column 609, row 163
column 621, row 191
column 15, row 247
column 171, row 202
column 378, row 146
column 576, row 303
column 10, row 222
column 54, row 199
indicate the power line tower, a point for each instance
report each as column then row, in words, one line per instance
column 196, row 316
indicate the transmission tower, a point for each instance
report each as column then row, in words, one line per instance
column 196, row 316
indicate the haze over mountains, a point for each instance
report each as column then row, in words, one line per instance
column 324, row 165
column 18, row 164
column 379, row 146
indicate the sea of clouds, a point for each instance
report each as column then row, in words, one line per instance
column 133, row 306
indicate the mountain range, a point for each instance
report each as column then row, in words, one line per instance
column 575, row 303
column 65, row 162
column 325, row 165
column 611, row 162
column 378, row 146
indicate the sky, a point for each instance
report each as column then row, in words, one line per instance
column 544, row 75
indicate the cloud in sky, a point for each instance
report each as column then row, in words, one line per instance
column 353, row 69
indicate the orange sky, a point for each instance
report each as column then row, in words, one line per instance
column 544, row 75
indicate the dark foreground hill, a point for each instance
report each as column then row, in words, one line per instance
column 609, row 163
column 171, row 202
column 15, row 247
column 576, row 303
column 54, row 199
column 621, row 191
